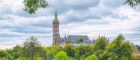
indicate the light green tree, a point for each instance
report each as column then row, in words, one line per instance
column 92, row 57
column 69, row 49
column 52, row 51
column 5, row 55
column 31, row 6
column 61, row 56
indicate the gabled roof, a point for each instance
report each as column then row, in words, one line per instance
column 75, row 37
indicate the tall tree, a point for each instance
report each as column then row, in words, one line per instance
column 118, row 49
column 31, row 48
column 69, row 49
column 132, row 3
column 31, row 6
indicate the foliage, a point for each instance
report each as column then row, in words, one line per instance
column 118, row 49
column 80, row 39
column 69, row 49
column 132, row 3
column 31, row 6
column 15, row 52
column 5, row 55
column 100, row 44
column 61, row 56
column 82, row 51
column 52, row 51
column 23, row 58
column 98, row 53
column 92, row 57
column 31, row 48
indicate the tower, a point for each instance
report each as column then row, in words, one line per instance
column 56, row 35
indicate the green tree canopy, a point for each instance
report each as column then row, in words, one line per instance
column 15, row 52
column 118, row 49
column 5, row 54
column 31, row 6
column 100, row 44
column 69, row 49
column 52, row 51
column 80, row 39
column 82, row 51
column 61, row 56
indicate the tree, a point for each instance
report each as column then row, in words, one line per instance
column 100, row 44
column 92, row 57
column 5, row 55
column 80, row 39
column 69, row 49
column 61, row 56
column 132, row 3
column 52, row 51
column 82, row 51
column 118, row 49
column 31, row 6
column 31, row 48
column 15, row 52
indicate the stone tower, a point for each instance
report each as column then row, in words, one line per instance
column 56, row 35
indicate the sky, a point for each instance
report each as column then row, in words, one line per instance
column 76, row 17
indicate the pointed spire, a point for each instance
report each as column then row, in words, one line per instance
column 56, row 15
column 55, row 21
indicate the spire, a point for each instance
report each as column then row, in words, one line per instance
column 55, row 21
column 55, row 15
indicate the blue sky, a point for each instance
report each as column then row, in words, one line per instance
column 76, row 17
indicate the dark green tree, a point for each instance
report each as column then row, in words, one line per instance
column 132, row 3
column 31, row 6
column 31, row 48
column 69, row 49
column 80, row 39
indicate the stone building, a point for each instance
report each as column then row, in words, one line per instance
column 57, row 40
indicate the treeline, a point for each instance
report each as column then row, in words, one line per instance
column 118, row 49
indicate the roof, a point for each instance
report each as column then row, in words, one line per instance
column 75, row 37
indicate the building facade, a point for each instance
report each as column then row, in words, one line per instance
column 57, row 40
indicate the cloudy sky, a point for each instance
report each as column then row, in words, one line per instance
column 76, row 17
